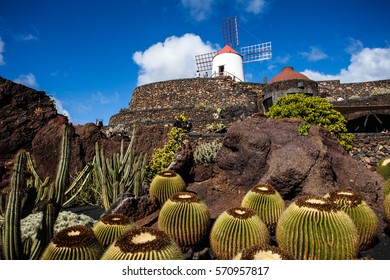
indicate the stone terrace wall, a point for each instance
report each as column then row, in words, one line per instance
column 333, row 90
column 198, row 99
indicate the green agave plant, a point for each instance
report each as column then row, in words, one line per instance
column 143, row 244
column 261, row 252
column 364, row 218
column 73, row 243
column 110, row 227
column 236, row 229
column 266, row 202
column 164, row 185
column 313, row 228
column 383, row 168
column 185, row 219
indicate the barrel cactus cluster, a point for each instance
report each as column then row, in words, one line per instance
column 164, row 185
column 364, row 218
column 266, row 202
column 185, row 218
column 313, row 228
column 236, row 229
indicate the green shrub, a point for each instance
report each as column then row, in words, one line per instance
column 206, row 152
column 313, row 110
column 164, row 156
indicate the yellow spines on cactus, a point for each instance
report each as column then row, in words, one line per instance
column 266, row 202
column 383, row 168
column 73, row 243
column 143, row 244
column 164, row 185
column 111, row 226
column 364, row 218
column 236, row 229
column 261, row 252
column 313, row 228
column 185, row 219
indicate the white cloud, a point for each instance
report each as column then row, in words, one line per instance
column 253, row 6
column 27, row 80
column 60, row 108
column 172, row 59
column 354, row 46
column 199, row 10
column 314, row 54
column 366, row 65
column 1, row 51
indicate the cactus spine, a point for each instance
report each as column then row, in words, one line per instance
column 143, row 244
column 236, row 229
column 110, row 227
column 164, row 185
column 185, row 219
column 261, row 252
column 73, row 243
column 314, row 228
column 266, row 202
column 12, row 245
column 362, row 215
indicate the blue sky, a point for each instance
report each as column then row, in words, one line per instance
column 90, row 55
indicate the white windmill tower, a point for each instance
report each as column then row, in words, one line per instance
column 229, row 62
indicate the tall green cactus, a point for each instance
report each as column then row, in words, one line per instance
column 125, row 171
column 12, row 245
column 55, row 198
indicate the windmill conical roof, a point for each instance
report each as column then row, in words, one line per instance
column 227, row 49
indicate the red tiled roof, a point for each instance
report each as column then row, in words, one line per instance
column 288, row 73
column 227, row 49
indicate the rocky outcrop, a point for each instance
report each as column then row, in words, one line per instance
column 261, row 149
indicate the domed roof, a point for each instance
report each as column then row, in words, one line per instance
column 288, row 73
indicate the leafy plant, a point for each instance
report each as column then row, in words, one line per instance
column 216, row 128
column 315, row 111
column 164, row 156
column 206, row 152
column 303, row 129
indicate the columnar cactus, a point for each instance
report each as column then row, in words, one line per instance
column 364, row 218
column 164, row 185
column 236, row 229
column 12, row 245
column 185, row 219
column 266, row 202
column 313, row 228
column 143, row 244
column 260, row 252
column 73, row 243
column 111, row 226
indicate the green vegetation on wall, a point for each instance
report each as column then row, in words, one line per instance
column 315, row 111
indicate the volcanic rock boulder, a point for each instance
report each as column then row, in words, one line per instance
column 261, row 149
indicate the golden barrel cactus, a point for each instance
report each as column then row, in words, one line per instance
column 185, row 219
column 364, row 218
column 111, row 226
column 261, row 252
column 313, row 228
column 236, row 229
column 164, row 185
column 266, row 202
column 73, row 243
column 143, row 244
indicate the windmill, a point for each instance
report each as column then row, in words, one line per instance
column 227, row 61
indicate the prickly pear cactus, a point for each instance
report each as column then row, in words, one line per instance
column 185, row 219
column 110, row 227
column 143, row 244
column 364, row 218
column 236, row 229
column 313, row 228
column 164, row 185
column 266, row 202
column 73, row 243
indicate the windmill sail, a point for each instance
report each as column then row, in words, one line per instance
column 204, row 61
column 230, row 32
column 256, row 52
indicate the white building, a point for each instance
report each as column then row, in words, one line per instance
column 228, row 62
